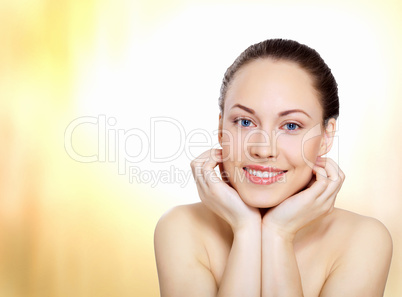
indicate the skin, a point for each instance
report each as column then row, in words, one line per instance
column 281, row 239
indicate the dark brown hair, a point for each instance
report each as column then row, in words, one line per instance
column 289, row 50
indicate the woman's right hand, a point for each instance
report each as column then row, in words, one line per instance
column 218, row 196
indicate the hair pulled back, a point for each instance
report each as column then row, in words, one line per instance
column 304, row 56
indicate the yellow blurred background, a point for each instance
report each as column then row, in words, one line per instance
column 75, row 228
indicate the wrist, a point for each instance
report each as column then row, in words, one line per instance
column 277, row 233
column 248, row 227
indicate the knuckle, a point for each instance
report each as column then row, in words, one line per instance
column 324, row 182
column 197, row 171
column 214, row 191
column 327, row 211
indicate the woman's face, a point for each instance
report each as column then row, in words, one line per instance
column 271, row 131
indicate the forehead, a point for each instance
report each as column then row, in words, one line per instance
column 266, row 84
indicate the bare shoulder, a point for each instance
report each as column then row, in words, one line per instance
column 188, row 227
column 354, row 234
column 177, row 214
column 360, row 229
column 364, row 251
column 181, row 223
column 191, row 217
column 180, row 252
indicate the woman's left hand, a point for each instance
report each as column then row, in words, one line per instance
column 304, row 207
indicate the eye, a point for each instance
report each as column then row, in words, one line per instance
column 244, row 123
column 291, row 126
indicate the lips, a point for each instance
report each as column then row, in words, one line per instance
column 262, row 175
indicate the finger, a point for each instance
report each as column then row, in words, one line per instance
column 338, row 169
column 328, row 199
column 203, row 167
column 330, row 192
column 198, row 163
column 335, row 178
column 312, row 181
column 212, row 161
column 320, row 173
column 224, row 175
column 333, row 171
column 216, row 154
column 317, row 187
column 209, row 173
column 320, row 161
column 201, row 159
column 196, row 170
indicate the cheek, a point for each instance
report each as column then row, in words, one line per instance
column 227, row 147
column 290, row 145
column 298, row 151
column 311, row 149
column 232, row 144
column 228, row 153
column 232, row 154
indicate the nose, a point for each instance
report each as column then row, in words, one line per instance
column 262, row 146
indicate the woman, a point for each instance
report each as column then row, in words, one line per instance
column 270, row 228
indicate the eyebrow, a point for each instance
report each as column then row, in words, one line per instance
column 286, row 112
column 249, row 110
column 281, row 114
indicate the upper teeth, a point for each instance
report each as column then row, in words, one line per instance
column 265, row 174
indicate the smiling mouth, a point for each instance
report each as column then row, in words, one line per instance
column 263, row 174
column 264, row 177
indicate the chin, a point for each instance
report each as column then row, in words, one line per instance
column 267, row 196
column 269, row 192
column 262, row 199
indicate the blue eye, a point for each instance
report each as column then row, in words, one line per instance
column 245, row 123
column 291, row 126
